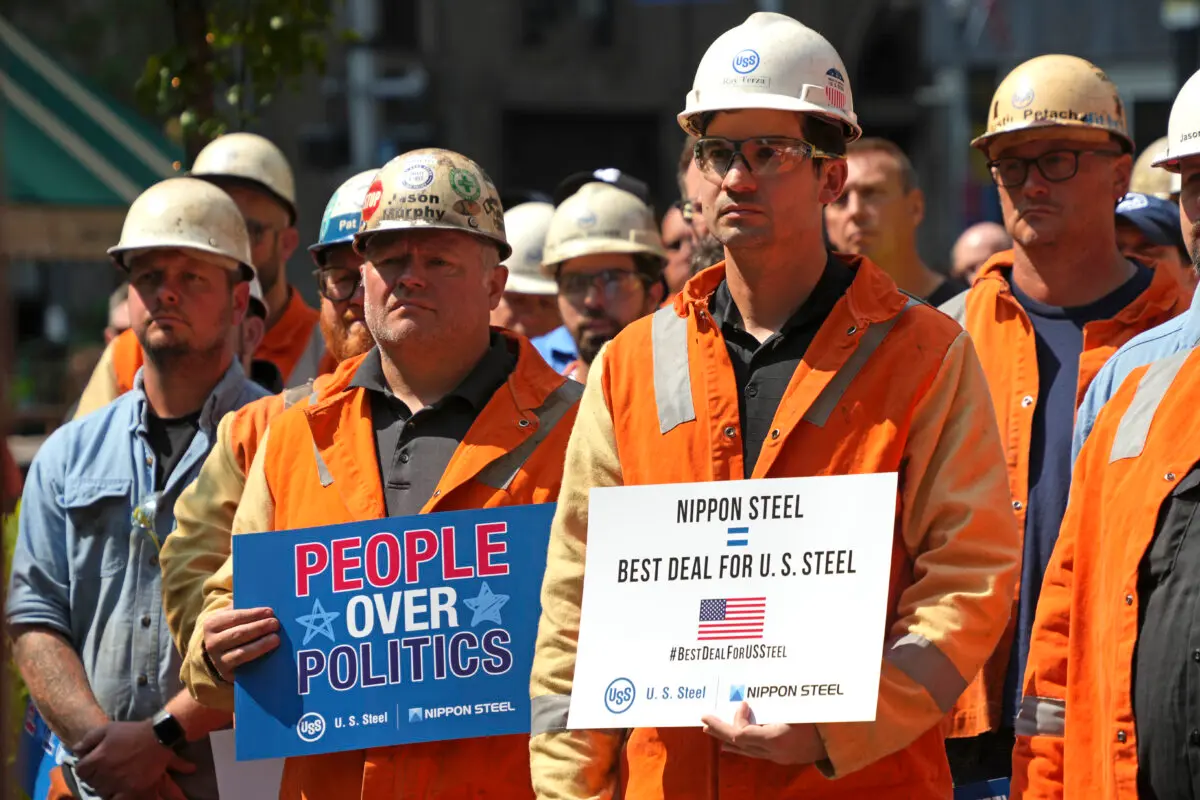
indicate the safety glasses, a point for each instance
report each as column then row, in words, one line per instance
column 614, row 284
column 337, row 285
column 764, row 155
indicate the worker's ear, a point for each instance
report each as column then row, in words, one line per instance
column 254, row 328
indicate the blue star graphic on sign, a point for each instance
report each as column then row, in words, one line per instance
column 318, row 623
column 486, row 607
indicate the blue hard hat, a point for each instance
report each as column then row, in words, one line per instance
column 343, row 213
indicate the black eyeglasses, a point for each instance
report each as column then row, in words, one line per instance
column 613, row 283
column 1055, row 166
column 337, row 285
column 763, row 155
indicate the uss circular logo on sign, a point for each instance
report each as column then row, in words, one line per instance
column 311, row 727
column 618, row 697
column 746, row 61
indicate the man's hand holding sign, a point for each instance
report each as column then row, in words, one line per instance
column 783, row 744
column 237, row 636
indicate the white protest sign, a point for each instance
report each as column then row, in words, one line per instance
column 699, row 596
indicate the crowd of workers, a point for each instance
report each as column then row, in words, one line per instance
column 781, row 322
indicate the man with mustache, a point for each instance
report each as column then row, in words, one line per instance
column 1110, row 693
column 84, row 607
column 204, row 512
column 786, row 360
column 605, row 253
column 256, row 174
column 1045, row 316
column 444, row 413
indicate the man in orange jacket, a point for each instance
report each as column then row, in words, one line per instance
column 444, row 414
column 1045, row 316
column 205, row 510
column 256, row 174
column 785, row 360
column 1110, row 707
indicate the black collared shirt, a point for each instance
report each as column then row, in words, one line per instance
column 413, row 450
column 1166, row 666
column 763, row 371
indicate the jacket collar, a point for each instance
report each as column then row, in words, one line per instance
column 871, row 298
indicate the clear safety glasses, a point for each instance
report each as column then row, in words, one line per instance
column 762, row 155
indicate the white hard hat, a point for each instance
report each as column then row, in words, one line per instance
column 1152, row 180
column 433, row 188
column 189, row 214
column 1183, row 128
column 258, row 301
column 600, row 218
column 771, row 61
column 526, row 225
column 249, row 158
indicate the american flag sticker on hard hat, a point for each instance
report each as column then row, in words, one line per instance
column 835, row 88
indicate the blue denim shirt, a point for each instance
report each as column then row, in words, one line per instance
column 557, row 347
column 84, row 569
column 1173, row 336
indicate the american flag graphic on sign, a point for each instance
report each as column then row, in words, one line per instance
column 731, row 618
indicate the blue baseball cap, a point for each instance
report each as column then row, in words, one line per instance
column 1157, row 219
column 343, row 213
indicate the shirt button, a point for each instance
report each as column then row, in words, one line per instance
column 1017, row 505
column 1026, row 401
column 1128, row 599
column 146, row 621
column 1194, row 738
column 404, row 458
column 752, row 391
column 1121, row 737
column 1196, row 656
column 142, row 680
column 730, row 431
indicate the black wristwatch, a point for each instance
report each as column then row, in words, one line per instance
column 167, row 730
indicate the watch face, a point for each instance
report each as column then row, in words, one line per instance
column 168, row 730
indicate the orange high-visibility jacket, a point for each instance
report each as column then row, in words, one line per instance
column 1005, row 341
column 294, row 345
column 888, row 385
column 1076, row 734
column 205, row 510
column 317, row 466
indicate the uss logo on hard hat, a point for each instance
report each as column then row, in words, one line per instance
column 746, row 62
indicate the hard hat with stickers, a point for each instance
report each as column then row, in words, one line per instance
column 1183, row 128
column 771, row 61
column 252, row 159
column 600, row 218
column 189, row 214
column 343, row 215
column 433, row 188
column 1152, row 180
column 1067, row 94
column 526, row 225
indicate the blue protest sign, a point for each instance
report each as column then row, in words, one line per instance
column 409, row 629
column 38, row 752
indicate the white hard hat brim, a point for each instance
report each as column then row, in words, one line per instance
column 1170, row 161
column 122, row 253
column 738, row 101
column 360, row 239
column 525, row 284
column 587, row 246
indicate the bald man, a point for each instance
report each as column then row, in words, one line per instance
column 976, row 245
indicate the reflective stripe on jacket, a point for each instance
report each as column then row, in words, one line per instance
column 1005, row 341
column 1076, row 734
column 888, row 384
column 317, row 466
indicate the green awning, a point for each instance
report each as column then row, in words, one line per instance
column 65, row 143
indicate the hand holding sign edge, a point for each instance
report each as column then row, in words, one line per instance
column 780, row 743
column 236, row 636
